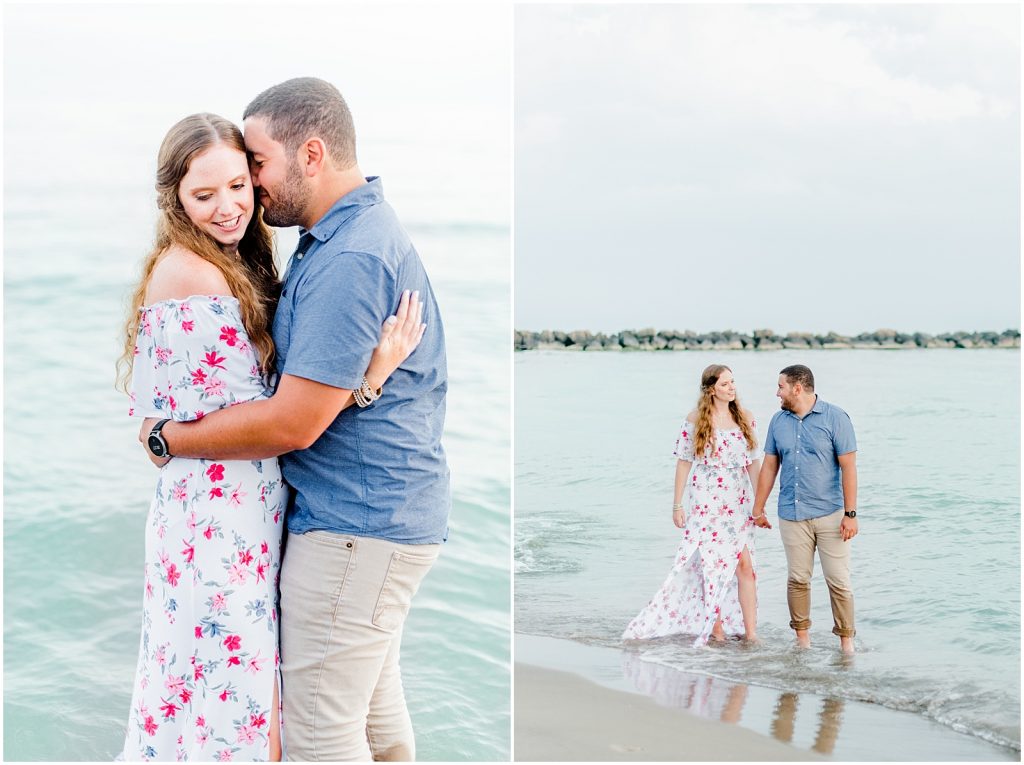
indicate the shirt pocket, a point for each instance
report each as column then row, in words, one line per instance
column 405, row 572
column 819, row 443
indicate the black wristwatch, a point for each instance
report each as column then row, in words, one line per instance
column 850, row 513
column 156, row 441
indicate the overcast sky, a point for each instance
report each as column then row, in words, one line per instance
column 428, row 86
column 798, row 167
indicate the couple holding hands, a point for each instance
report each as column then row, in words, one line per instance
column 723, row 479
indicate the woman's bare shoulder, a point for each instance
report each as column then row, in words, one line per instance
column 692, row 417
column 181, row 273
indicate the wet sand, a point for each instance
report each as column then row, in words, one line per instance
column 582, row 702
column 564, row 717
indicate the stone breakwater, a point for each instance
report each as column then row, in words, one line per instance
column 758, row 340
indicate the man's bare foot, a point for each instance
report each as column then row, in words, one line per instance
column 846, row 644
column 803, row 638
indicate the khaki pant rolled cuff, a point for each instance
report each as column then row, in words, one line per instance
column 844, row 631
column 804, row 624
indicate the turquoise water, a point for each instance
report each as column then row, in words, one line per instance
column 77, row 220
column 936, row 567
column 77, row 489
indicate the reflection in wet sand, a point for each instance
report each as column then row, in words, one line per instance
column 828, row 726
column 714, row 698
column 785, row 716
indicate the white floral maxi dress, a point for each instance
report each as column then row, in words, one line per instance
column 702, row 585
column 208, row 656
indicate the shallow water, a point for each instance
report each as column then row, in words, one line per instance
column 936, row 567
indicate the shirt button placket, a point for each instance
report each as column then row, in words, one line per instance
column 796, row 487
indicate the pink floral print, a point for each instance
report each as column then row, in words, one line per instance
column 702, row 586
column 208, row 657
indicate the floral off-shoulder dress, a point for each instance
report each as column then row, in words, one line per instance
column 702, row 585
column 208, row 656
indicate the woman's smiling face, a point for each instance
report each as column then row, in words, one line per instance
column 216, row 194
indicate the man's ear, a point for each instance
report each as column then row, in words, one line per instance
column 313, row 157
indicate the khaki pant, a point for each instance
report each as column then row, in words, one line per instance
column 344, row 600
column 800, row 538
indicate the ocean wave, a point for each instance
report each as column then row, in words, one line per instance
column 540, row 545
column 528, row 561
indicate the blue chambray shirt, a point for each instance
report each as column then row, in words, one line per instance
column 808, row 450
column 379, row 471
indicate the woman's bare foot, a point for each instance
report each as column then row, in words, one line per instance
column 717, row 633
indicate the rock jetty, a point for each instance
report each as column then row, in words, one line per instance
column 758, row 340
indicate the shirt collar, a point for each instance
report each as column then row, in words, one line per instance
column 818, row 408
column 370, row 193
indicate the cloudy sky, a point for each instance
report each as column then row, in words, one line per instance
column 797, row 167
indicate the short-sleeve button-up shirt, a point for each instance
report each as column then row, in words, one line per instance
column 808, row 449
column 379, row 471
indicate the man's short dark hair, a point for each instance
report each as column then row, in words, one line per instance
column 303, row 107
column 798, row 373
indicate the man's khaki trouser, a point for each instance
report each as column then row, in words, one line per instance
column 344, row 600
column 800, row 538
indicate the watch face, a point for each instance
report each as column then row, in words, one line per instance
column 156, row 445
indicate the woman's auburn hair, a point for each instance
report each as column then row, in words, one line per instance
column 251, row 276
column 704, row 432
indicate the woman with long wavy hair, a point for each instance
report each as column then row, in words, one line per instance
column 710, row 591
column 197, row 339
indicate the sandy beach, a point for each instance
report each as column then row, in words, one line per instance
column 564, row 717
column 578, row 702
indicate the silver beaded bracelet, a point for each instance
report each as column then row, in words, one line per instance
column 364, row 395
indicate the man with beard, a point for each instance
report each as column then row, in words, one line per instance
column 370, row 498
column 814, row 443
